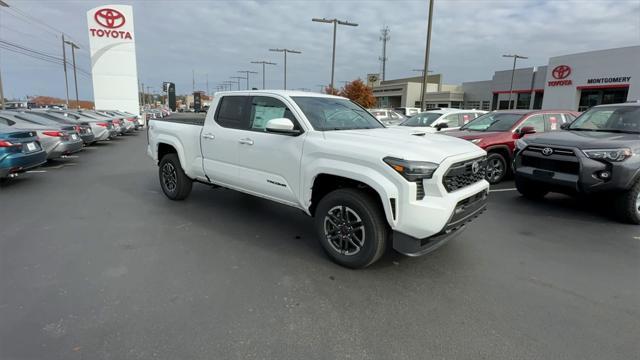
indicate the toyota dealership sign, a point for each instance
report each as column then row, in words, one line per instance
column 113, row 58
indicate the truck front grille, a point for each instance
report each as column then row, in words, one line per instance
column 464, row 173
column 556, row 165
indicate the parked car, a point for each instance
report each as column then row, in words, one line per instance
column 20, row 151
column 118, row 122
column 41, row 118
column 388, row 117
column 128, row 122
column 366, row 185
column 53, row 140
column 441, row 119
column 497, row 132
column 599, row 153
column 102, row 130
column 407, row 111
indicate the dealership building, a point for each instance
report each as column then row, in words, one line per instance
column 575, row 82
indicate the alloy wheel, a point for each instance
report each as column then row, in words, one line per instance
column 344, row 230
column 638, row 203
column 495, row 169
column 169, row 177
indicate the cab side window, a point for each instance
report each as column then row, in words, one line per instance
column 231, row 112
column 265, row 108
column 535, row 121
column 451, row 120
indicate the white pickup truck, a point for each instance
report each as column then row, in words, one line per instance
column 365, row 184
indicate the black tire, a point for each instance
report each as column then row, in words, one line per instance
column 529, row 189
column 496, row 168
column 628, row 205
column 372, row 234
column 174, row 182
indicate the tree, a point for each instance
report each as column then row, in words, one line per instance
column 359, row 92
column 331, row 91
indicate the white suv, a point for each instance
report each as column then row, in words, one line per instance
column 365, row 184
column 442, row 119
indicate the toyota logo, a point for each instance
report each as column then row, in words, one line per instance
column 109, row 18
column 475, row 167
column 561, row 72
column 547, row 151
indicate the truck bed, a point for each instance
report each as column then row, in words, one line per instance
column 185, row 118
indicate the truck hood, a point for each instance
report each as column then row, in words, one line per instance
column 585, row 139
column 417, row 129
column 401, row 144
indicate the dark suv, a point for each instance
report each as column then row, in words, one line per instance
column 598, row 153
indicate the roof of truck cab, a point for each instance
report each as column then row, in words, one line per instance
column 276, row 92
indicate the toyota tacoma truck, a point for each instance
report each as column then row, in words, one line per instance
column 598, row 153
column 366, row 185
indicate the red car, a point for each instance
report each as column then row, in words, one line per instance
column 497, row 132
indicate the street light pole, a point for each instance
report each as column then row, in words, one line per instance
column 238, row 78
column 247, row 72
column 75, row 76
column 285, row 51
column 2, row 105
column 64, row 62
column 263, row 62
column 426, row 59
column 513, row 71
column 335, row 23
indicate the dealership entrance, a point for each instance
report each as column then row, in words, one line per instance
column 598, row 96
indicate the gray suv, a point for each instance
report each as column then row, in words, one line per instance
column 597, row 153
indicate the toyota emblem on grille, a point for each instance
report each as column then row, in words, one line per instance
column 475, row 167
column 547, row 151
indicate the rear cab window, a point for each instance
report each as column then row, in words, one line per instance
column 232, row 112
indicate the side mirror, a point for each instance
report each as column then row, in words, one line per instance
column 442, row 126
column 281, row 126
column 565, row 126
column 526, row 130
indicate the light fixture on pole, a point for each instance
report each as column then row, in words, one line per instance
column 263, row 62
column 426, row 59
column 335, row 23
column 247, row 72
column 513, row 71
column 285, row 51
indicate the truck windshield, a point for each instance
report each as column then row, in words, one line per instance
column 493, row 122
column 624, row 119
column 423, row 119
column 335, row 114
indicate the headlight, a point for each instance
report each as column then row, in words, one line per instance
column 475, row 141
column 412, row 170
column 521, row 144
column 608, row 154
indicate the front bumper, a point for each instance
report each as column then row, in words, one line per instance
column 581, row 177
column 464, row 212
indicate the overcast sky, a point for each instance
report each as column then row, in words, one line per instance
column 219, row 38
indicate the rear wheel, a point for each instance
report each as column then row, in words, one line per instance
column 529, row 189
column 351, row 227
column 496, row 168
column 628, row 205
column 175, row 184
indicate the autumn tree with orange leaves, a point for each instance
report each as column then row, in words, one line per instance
column 359, row 92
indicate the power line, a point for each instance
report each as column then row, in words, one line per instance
column 37, row 55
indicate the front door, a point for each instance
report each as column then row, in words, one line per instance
column 269, row 163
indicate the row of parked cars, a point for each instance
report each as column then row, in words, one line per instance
column 29, row 138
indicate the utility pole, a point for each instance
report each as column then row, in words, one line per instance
column 2, row 105
column 335, row 23
column 150, row 102
column 238, row 78
column 423, row 105
column 75, row 76
column 228, row 83
column 384, row 37
column 207, row 84
column 142, row 91
column 513, row 71
column 64, row 63
column 193, row 81
column 263, row 62
column 248, row 72
column 285, row 51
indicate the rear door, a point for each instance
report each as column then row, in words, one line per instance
column 269, row 163
column 219, row 139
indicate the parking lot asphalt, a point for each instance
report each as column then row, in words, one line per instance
column 95, row 263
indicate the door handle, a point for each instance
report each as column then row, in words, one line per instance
column 208, row 136
column 246, row 141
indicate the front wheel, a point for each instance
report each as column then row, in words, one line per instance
column 628, row 205
column 496, row 168
column 175, row 184
column 351, row 227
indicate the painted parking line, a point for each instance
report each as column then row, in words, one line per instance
column 36, row 171
column 70, row 157
column 502, row 190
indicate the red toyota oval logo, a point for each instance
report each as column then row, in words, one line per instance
column 109, row 18
column 561, row 72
